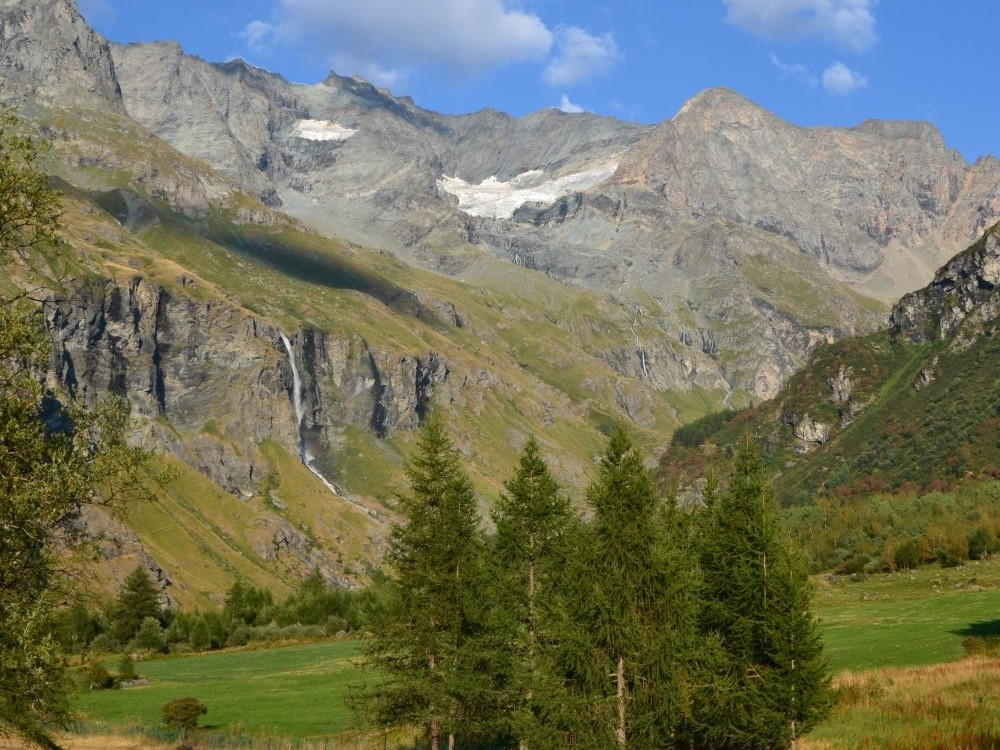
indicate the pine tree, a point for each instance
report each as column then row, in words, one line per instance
column 628, row 631
column 532, row 520
column 757, row 596
column 426, row 652
column 138, row 599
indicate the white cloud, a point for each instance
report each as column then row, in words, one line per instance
column 849, row 23
column 580, row 55
column 567, row 106
column 259, row 36
column 98, row 10
column 840, row 80
column 795, row 71
column 392, row 36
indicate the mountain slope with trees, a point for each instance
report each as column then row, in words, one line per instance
column 912, row 408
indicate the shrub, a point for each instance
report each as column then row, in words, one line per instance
column 907, row 557
column 981, row 543
column 97, row 677
column 182, row 714
column 126, row 669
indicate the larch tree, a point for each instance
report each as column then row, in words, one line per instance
column 426, row 654
column 629, row 621
column 532, row 519
column 756, row 603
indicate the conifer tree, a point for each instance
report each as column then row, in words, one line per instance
column 532, row 518
column 757, row 597
column 137, row 600
column 426, row 652
column 629, row 626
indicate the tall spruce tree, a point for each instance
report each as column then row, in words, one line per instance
column 138, row 599
column 426, row 653
column 629, row 628
column 532, row 519
column 774, row 683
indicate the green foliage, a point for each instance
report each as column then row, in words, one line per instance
column 183, row 714
column 757, row 601
column 247, row 605
column 30, row 213
column 97, row 677
column 425, row 651
column 533, row 519
column 899, row 531
column 695, row 433
column 138, row 599
column 149, row 637
column 627, row 631
column 126, row 668
column 55, row 457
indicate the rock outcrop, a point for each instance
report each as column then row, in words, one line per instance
column 221, row 379
column 962, row 296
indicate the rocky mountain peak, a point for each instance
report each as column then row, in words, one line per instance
column 48, row 51
column 721, row 104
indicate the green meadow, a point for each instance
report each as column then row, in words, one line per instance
column 295, row 691
column 901, row 619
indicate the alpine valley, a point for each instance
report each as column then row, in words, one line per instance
column 283, row 279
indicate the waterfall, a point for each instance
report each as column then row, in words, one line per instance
column 304, row 455
column 296, row 398
column 641, row 349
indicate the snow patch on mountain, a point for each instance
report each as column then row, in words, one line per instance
column 322, row 130
column 499, row 200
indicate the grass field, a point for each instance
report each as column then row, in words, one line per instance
column 895, row 621
column 909, row 618
column 296, row 691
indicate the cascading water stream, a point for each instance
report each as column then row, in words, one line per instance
column 300, row 412
column 296, row 396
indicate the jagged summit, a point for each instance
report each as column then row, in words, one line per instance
column 719, row 101
column 49, row 53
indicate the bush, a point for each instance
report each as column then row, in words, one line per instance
column 182, row 714
column 907, row 557
column 981, row 645
column 126, row 669
column 104, row 643
column 97, row 677
column 981, row 543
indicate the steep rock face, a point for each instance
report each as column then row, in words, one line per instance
column 222, row 379
column 841, row 195
column 963, row 294
column 48, row 51
column 230, row 110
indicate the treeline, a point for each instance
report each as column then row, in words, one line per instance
column 136, row 622
column 896, row 532
column 642, row 625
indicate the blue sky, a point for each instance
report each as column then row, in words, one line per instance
column 812, row 62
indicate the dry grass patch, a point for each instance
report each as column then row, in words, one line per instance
column 952, row 706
